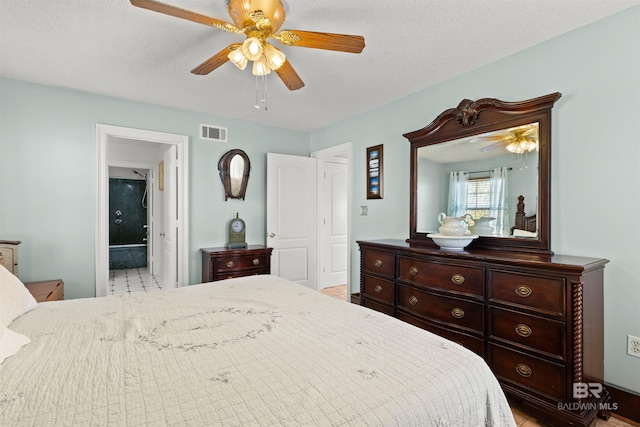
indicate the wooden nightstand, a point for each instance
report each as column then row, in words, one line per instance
column 46, row 290
column 225, row 263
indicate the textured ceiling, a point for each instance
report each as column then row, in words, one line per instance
column 111, row 48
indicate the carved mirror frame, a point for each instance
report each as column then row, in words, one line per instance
column 478, row 117
column 225, row 171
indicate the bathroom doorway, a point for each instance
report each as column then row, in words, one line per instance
column 130, row 243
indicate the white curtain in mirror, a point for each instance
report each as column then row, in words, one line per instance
column 498, row 207
column 458, row 194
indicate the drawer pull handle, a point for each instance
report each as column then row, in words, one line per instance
column 458, row 313
column 378, row 289
column 256, row 261
column 523, row 291
column 230, row 264
column 458, row 279
column 413, row 300
column 523, row 370
column 413, row 271
column 378, row 263
column 523, row 330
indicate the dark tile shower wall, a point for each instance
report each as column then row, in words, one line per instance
column 125, row 196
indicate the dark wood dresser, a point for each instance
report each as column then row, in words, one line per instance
column 224, row 263
column 46, row 290
column 537, row 320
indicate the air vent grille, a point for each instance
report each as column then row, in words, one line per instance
column 213, row 133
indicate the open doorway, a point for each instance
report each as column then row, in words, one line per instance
column 138, row 157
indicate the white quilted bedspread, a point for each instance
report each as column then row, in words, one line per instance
column 250, row 351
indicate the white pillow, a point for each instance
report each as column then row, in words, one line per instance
column 15, row 299
column 10, row 342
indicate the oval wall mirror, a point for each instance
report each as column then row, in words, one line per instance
column 233, row 168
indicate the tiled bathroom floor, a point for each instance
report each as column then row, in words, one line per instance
column 133, row 280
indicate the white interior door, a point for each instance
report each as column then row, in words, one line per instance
column 291, row 217
column 170, row 260
column 334, row 224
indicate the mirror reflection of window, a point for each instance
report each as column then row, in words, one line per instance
column 481, row 196
column 236, row 171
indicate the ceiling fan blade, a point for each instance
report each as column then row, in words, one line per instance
column 167, row 9
column 215, row 61
column 487, row 138
column 289, row 77
column 328, row 41
column 492, row 147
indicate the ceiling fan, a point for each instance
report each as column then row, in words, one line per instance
column 519, row 139
column 258, row 20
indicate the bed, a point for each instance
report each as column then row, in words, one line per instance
column 257, row 350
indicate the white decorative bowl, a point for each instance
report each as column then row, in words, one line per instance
column 452, row 243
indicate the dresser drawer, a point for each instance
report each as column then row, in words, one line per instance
column 379, row 263
column 541, row 294
column 527, row 371
column 455, row 311
column 461, row 279
column 228, row 264
column 379, row 289
column 468, row 341
column 538, row 333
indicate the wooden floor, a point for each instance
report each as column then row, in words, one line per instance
column 522, row 418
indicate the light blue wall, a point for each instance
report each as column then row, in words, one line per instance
column 48, row 171
column 47, row 165
column 595, row 157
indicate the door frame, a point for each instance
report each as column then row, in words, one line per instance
column 103, row 133
column 345, row 151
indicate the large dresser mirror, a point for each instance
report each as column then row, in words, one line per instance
column 487, row 162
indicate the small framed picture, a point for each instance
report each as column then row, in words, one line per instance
column 374, row 172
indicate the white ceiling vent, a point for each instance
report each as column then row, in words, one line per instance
column 213, row 133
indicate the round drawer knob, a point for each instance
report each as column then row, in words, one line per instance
column 413, row 300
column 523, row 330
column 458, row 279
column 378, row 289
column 523, row 370
column 378, row 263
column 230, row 264
column 458, row 313
column 523, row 291
column 256, row 261
column 413, row 271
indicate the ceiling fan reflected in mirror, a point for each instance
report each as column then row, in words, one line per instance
column 518, row 140
column 259, row 20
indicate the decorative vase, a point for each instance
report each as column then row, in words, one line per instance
column 451, row 225
column 482, row 226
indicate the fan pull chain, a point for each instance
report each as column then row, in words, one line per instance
column 261, row 89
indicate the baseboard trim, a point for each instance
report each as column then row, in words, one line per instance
column 628, row 403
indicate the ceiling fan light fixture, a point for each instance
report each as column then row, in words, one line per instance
column 260, row 67
column 274, row 57
column 252, row 48
column 238, row 59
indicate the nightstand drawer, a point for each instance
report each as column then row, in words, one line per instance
column 226, row 263
column 546, row 295
column 229, row 264
column 465, row 280
column 455, row 311
column 46, row 290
